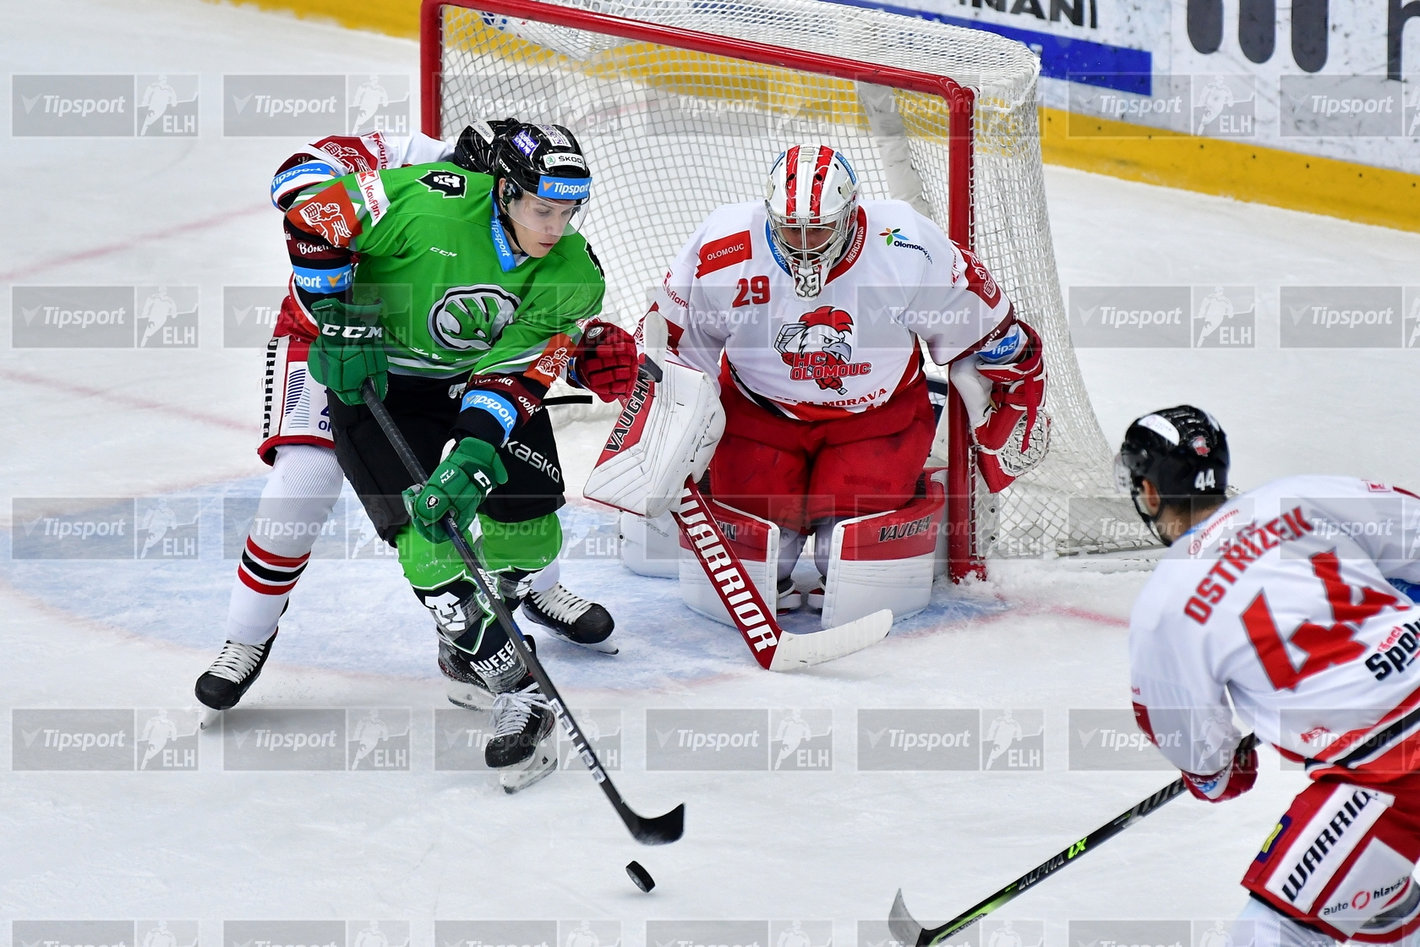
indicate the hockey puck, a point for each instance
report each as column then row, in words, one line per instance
column 640, row 876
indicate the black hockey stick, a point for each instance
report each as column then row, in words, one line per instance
column 658, row 830
column 905, row 929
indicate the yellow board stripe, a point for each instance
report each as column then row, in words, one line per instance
column 1236, row 169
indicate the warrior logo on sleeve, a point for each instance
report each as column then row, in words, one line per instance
column 819, row 348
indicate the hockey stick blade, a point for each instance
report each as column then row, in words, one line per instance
column 907, row 931
column 657, row 830
column 819, row 646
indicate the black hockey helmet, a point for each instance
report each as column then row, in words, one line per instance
column 1182, row 451
column 474, row 149
column 542, row 160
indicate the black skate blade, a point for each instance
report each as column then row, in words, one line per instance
column 209, row 719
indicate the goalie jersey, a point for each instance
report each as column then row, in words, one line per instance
column 1283, row 601
column 847, row 349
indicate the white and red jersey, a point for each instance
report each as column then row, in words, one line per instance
column 1280, row 601
column 845, row 350
column 326, row 159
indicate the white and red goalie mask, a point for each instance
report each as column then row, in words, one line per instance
column 812, row 199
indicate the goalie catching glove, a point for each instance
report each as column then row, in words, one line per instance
column 457, row 487
column 605, row 361
column 666, row 433
column 1003, row 388
column 349, row 349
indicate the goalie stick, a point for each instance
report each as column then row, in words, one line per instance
column 907, row 931
column 657, row 830
column 771, row 647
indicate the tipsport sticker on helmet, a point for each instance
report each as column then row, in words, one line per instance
column 564, row 189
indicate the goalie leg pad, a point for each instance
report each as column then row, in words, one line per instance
column 754, row 540
column 650, row 545
column 884, row 560
column 665, row 433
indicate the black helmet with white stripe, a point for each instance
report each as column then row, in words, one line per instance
column 1182, row 451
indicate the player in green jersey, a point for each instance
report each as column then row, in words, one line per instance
column 463, row 291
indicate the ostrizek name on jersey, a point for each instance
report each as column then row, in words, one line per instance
column 1238, row 552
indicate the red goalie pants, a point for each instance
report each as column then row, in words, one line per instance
column 1341, row 857
column 795, row 473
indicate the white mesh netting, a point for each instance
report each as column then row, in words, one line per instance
column 673, row 133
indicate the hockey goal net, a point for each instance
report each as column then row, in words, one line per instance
column 682, row 105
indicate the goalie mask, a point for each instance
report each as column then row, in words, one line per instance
column 1182, row 451
column 812, row 200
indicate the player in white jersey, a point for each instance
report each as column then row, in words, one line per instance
column 807, row 309
column 306, row 479
column 1290, row 606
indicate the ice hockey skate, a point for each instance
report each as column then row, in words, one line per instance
column 522, row 744
column 572, row 618
column 464, row 687
column 236, row 668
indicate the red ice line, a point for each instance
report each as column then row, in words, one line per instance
column 31, row 269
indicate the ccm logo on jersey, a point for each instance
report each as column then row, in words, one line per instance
column 1396, row 653
column 718, row 254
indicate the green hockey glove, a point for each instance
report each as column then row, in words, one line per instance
column 457, row 486
column 349, row 349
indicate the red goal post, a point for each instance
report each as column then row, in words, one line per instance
column 682, row 104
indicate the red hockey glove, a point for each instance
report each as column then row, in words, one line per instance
column 1229, row 783
column 1017, row 390
column 605, row 361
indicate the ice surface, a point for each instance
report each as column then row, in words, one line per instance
column 422, row 844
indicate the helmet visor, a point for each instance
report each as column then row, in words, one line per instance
column 1123, row 479
column 552, row 218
